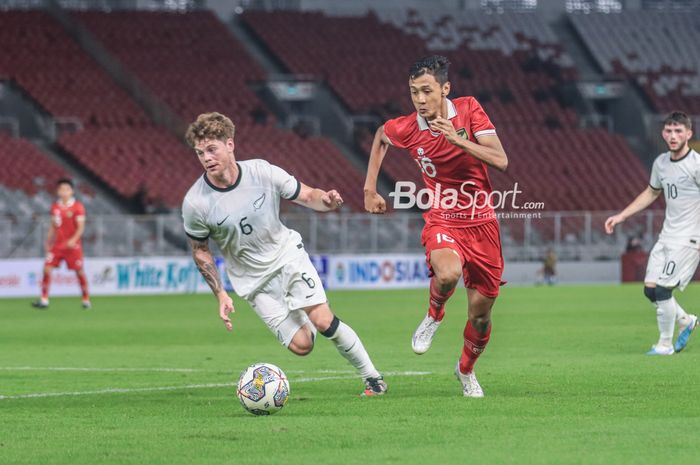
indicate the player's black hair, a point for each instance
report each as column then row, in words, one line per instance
column 436, row 65
column 678, row 117
column 65, row 181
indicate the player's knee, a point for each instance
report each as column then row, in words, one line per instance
column 650, row 293
column 332, row 327
column 448, row 278
column 321, row 316
column 480, row 323
column 663, row 293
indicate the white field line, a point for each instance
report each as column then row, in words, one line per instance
column 187, row 386
column 107, row 370
column 152, row 370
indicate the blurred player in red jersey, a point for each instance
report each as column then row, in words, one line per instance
column 452, row 141
column 63, row 241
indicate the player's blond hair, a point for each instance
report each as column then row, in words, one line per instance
column 210, row 126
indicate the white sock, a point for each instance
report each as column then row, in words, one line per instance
column 350, row 346
column 666, row 319
column 682, row 318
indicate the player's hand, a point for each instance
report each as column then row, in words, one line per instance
column 225, row 308
column 445, row 127
column 611, row 222
column 332, row 200
column 374, row 203
column 70, row 243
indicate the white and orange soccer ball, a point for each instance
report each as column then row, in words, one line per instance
column 263, row 389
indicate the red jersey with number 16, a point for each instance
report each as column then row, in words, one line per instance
column 65, row 218
column 458, row 181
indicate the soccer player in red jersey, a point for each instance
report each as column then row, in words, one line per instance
column 63, row 241
column 453, row 142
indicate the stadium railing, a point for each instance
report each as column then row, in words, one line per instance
column 526, row 236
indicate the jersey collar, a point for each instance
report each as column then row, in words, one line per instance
column 451, row 113
column 70, row 202
column 227, row 188
column 681, row 158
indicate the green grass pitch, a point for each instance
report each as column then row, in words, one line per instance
column 148, row 380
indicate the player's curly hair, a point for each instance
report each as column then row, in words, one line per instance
column 678, row 117
column 437, row 65
column 210, row 126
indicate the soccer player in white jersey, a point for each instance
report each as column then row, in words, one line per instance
column 236, row 204
column 676, row 254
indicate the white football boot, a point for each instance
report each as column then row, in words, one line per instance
column 470, row 385
column 424, row 334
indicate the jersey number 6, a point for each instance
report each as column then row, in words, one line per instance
column 309, row 281
column 245, row 227
column 427, row 166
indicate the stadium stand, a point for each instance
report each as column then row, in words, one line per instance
column 656, row 50
column 116, row 135
column 25, row 167
column 42, row 59
column 206, row 68
column 27, row 181
column 145, row 163
column 512, row 63
column 210, row 71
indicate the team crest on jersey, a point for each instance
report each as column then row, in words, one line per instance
column 420, row 151
column 259, row 202
column 69, row 214
column 463, row 133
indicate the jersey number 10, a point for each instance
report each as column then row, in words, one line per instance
column 671, row 191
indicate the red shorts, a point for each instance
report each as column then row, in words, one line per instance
column 73, row 258
column 479, row 249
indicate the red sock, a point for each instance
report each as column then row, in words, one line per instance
column 83, row 285
column 45, row 283
column 474, row 345
column 437, row 300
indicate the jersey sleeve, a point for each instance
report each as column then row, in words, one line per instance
column 654, row 181
column 481, row 124
column 395, row 130
column 287, row 185
column 195, row 226
column 79, row 210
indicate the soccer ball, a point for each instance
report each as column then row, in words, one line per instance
column 263, row 389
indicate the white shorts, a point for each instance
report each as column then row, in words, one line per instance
column 281, row 300
column 671, row 265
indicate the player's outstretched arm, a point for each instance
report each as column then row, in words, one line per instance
column 319, row 200
column 374, row 203
column 207, row 267
column 642, row 201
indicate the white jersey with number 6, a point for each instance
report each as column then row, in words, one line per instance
column 243, row 220
column 680, row 182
